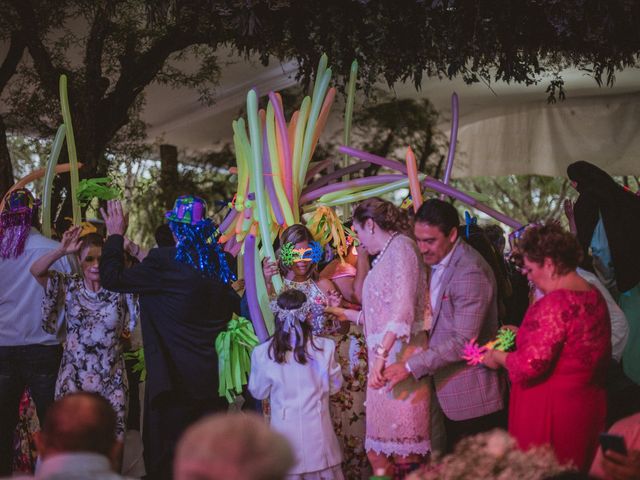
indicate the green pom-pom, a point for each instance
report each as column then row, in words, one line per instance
column 100, row 188
column 505, row 340
column 287, row 255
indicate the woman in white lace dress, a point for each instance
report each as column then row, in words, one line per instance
column 397, row 420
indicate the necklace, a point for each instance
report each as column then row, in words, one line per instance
column 384, row 249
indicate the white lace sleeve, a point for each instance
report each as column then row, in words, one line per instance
column 403, row 273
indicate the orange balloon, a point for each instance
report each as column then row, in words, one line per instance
column 35, row 175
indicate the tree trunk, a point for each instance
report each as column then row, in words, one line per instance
column 6, row 169
column 168, row 174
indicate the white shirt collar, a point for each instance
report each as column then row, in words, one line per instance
column 445, row 261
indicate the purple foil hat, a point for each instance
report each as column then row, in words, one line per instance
column 188, row 209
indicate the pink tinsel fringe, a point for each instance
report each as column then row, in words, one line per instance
column 14, row 230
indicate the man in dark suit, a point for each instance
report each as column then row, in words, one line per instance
column 185, row 302
column 464, row 307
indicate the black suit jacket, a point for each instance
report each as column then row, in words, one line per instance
column 181, row 313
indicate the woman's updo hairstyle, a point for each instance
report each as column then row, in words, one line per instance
column 551, row 241
column 385, row 214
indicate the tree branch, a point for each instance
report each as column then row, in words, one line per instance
column 47, row 72
column 11, row 61
column 137, row 72
column 94, row 84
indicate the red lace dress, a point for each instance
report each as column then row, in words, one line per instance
column 557, row 372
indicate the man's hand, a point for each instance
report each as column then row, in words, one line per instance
column 114, row 218
column 395, row 373
column 621, row 467
column 334, row 299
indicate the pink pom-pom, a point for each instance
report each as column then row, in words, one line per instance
column 472, row 352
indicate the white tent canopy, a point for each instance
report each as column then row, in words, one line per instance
column 505, row 129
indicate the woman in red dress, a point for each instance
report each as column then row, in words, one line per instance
column 562, row 351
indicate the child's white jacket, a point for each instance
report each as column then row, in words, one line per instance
column 299, row 397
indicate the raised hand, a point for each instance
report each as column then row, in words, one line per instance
column 568, row 205
column 70, row 242
column 114, row 218
column 334, row 299
column 269, row 269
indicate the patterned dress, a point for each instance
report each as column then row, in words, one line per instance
column 393, row 301
column 92, row 359
column 557, row 372
column 347, row 407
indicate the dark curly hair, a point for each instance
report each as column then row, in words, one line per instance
column 386, row 215
column 551, row 241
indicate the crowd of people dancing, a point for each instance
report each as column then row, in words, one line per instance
column 364, row 372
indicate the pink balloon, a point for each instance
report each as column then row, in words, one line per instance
column 358, row 182
column 370, row 157
column 284, row 140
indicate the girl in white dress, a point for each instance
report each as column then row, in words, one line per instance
column 298, row 371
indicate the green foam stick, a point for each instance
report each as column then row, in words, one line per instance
column 71, row 150
column 56, row 148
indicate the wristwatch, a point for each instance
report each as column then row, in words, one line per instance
column 380, row 351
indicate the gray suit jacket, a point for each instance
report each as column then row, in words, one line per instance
column 466, row 308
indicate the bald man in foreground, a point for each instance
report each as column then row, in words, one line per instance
column 78, row 440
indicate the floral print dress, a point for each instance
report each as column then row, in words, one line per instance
column 92, row 359
column 347, row 406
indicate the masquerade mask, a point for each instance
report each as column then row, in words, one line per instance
column 291, row 255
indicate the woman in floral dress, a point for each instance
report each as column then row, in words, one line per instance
column 95, row 320
column 347, row 407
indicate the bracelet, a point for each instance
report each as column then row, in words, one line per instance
column 359, row 317
column 380, row 351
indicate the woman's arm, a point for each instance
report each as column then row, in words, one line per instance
column 381, row 352
column 134, row 249
column 269, row 269
column 362, row 268
column 70, row 244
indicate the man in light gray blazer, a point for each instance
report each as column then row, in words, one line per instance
column 464, row 306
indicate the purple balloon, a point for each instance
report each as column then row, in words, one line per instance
column 268, row 180
column 440, row 187
column 453, row 137
column 335, row 175
column 228, row 220
column 358, row 182
column 316, row 169
column 370, row 157
column 250, row 253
